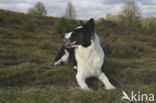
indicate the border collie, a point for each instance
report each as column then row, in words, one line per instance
column 82, row 48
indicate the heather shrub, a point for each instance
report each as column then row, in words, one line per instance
column 28, row 25
column 123, row 49
column 12, row 19
column 63, row 25
column 102, row 28
column 2, row 20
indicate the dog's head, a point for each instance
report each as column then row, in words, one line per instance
column 81, row 35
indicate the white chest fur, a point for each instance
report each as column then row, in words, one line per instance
column 90, row 59
column 89, row 63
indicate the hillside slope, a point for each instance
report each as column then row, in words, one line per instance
column 27, row 73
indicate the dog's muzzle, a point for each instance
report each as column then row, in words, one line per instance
column 69, row 43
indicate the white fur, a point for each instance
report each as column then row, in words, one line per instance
column 64, row 58
column 79, row 27
column 75, row 68
column 68, row 35
column 89, row 63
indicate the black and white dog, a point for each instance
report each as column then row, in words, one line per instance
column 82, row 48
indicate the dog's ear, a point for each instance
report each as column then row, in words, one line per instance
column 81, row 23
column 90, row 25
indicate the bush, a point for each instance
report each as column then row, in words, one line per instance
column 152, row 27
column 123, row 49
column 63, row 25
column 153, row 43
column 13, row 19
column 8, row 18
column 28, row 25
column 47, row 21
column 102, row 29
column 149, row 23
column 2, row 20
column 99, row 21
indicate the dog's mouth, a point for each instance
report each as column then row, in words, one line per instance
column 69, row 43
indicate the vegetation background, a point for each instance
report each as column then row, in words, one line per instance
column 29, row 43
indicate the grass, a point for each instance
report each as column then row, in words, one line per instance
column 64, row 95
column 27, row 73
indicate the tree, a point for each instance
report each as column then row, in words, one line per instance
column 70, row 11
column 131, row 10
column 38, row 9
column 130, row 14
column 111, row 17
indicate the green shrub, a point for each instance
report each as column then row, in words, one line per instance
column 13, row 19
column 103, row 30
column 152, row 27
column 123, row 49
column 153, row 43
column 2, row 20
column 63, row 25
column 28, row 25
column 102, row 27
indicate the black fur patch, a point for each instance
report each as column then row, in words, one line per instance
column 83, row 35
column 60, row 54
column 71, row 58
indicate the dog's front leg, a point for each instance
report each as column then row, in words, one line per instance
column 106, row 81
column 82, row 83
column 63, row 59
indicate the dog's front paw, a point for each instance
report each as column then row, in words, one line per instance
column 87, row 89
column 57, row 63
column 110, row 87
